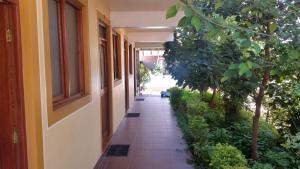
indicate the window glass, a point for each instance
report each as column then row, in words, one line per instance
column 54, row 48
column 116, row 61
column 72, row 48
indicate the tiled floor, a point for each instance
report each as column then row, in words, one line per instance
column 154, row 138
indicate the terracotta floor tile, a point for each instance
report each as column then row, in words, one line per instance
column 154, row 137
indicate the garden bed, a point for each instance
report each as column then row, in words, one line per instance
column 219, row 144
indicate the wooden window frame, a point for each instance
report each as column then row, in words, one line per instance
column 117, row 69
column 66, row 96
column 57, row 111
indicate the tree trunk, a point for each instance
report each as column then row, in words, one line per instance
column 255, row 125
column 259, row 99
column 212, row 102
column 232, row 110
column 268, row 116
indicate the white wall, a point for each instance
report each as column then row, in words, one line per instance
column 75, row 141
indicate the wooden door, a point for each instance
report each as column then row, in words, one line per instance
column 105, row 115
column 126, row 76
column 134, row 70
column 12, row 121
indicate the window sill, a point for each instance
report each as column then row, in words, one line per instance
column 63, row 110
column 117, row 82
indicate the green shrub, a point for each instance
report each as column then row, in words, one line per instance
column 206, row 96
column 215, row 118
column 219, row 135
column 292, row 143
column 242, row 134
column 182, row 122
column 196, row 107
column 201, row 154
column 281, row 159
column 198, row 129
column 224, row 156
column 258, row 165
column 245, row 115
column 175, row 98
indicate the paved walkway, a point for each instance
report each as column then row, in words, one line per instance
column 154, row 138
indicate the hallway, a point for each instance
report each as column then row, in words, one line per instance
column 154, row 138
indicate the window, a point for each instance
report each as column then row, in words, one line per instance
column 116, row 57
column 67, row 67
column 130, row 60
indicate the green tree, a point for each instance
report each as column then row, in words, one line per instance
column 260, row 28
column 144, row 76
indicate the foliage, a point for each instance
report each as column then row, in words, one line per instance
column 293, row 143
column 283, row 102
column 281, row 159
column 202, row 133
column 201, row 154
column 224, row 156
column 215, row 117
column 266, row 34
column 175, row 98
column 241, row 136
column 144, row 75
column 219, row 135
column 257, row 165
column 158, row 69
column 198, row 129
column 187, row 62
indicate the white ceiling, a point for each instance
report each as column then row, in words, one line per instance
column 140, row 5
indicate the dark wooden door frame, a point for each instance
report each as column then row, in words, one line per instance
column 134, row 70
column 108, row 72
column 126, row 67
column 12, row 55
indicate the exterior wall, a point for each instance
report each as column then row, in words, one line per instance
column 75, row 141
column 119, row 90
column 30, row 57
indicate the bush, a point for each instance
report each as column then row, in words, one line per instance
column 196, row 107
column 242, row 134
column 292, row 143
column 262, row 166
column 144, row 75
column 224, row 156
column 281, row 159
column 182, row 122
column 198, row 129
column 175, row 98
column 219, row 135
column 201, row 154
column 215, row 118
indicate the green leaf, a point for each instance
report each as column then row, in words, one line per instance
column 243, row 68
column 218, row 5
column 256, row 48
column 171, row 12
column 233, row 66
column 245, row 10
column 184, row 21
column 283, row 58
column 273, row 72
column 187, row 11
column 225, row 78
column 293, row 54
column 245, row 43
column 249, row 64
column 196, row 22
column 273, row 27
